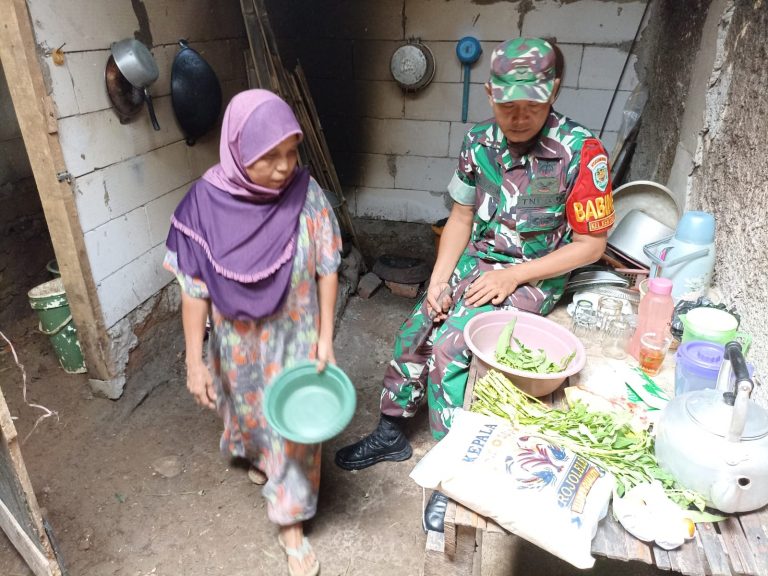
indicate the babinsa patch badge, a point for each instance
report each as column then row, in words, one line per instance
column 599, row 168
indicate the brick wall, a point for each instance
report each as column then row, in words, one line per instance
column 129, row 178
column 396, row 152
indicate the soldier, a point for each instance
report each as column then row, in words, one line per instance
column 531, row 202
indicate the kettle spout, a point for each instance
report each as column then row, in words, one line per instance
column 727, row 493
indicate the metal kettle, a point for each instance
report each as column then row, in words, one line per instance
column 715, row 442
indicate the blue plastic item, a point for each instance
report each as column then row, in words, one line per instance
column 696, row 228
column 697, row 364
column 308, row 407
column 688, row 257
column 468, row 50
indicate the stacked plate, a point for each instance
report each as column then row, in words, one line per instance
column 587, row 279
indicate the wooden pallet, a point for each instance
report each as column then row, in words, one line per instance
column 20, row 516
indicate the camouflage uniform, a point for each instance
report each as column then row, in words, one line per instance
column 525, row 207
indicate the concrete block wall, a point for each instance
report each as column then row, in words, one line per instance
column 396, row 152
column 128, row 178
column 729, row 171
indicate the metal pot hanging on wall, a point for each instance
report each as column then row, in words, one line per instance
column 135, row 62
column 412, row 66
column 126, row 98
column 195, row 93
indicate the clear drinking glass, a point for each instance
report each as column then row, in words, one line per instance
column 608, row 309
column 579, row 309
column 653, row 349
column 586, row 327
column 616, row 338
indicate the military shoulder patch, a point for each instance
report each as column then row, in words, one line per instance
column 599, row 168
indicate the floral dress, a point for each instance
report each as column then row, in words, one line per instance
column 245, row 356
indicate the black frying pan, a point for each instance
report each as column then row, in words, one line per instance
column 195, row 93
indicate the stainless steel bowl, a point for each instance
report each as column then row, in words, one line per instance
column 649, row 197
column 634, row 231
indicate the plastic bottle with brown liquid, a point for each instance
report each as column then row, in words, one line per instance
column 654, row 313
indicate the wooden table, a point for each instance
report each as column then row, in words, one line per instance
column 737, row 545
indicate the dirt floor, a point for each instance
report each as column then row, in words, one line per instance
column 94, row 470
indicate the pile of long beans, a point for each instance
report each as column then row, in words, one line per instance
column 606, row 439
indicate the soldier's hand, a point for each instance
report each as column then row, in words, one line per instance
column 438, row 302
column 493, row 286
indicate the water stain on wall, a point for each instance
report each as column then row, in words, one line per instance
column 143, row 34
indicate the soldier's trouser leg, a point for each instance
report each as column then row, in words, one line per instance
column 403, row 390
column 448, row 368
column 406, row 375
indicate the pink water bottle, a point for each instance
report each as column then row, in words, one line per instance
column 655, row 312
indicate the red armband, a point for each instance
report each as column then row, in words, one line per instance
column 589, row 206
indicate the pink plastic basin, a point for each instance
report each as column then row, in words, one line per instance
column 483, row 331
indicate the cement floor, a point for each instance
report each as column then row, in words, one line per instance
column 113, row 515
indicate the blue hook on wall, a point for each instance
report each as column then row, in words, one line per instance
column 468, row 50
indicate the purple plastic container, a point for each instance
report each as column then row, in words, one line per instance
column 697, row 364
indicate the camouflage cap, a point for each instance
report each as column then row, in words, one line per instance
column 523, row 69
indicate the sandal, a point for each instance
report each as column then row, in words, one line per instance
column 300, row 553
column 257, row 476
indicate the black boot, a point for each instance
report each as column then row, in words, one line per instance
column 387, row 442
column 434, row 513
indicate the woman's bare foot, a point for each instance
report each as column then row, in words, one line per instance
column 301, row 558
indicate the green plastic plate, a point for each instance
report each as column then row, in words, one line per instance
column 306, row 407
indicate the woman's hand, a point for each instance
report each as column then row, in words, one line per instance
column 435, row 304
column 200, row 384
column 493, row 286
column 325, row 353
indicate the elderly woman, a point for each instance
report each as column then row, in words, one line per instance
column 255, row 242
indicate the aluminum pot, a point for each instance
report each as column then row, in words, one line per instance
column 126, row 98
column 715, row 442
column 138, row 66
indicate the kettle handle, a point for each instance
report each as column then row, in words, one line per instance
column 734, row 356
column 739, row 364
column 653, row 257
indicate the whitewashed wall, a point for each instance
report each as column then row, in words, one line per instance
column 129, row 178
column 396, row 152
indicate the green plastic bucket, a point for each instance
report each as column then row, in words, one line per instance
column 50, row 302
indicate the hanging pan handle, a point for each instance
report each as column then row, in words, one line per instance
column 151, row 108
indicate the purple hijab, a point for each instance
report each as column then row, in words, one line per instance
column 240, row 238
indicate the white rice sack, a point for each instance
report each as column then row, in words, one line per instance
column 541, row 492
